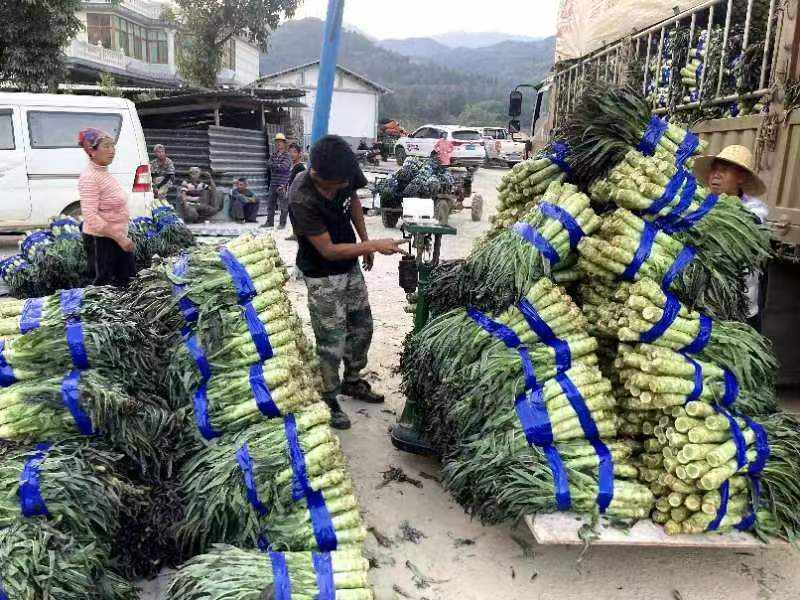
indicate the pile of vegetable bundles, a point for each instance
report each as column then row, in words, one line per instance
column 418, row 178
column 55, row 258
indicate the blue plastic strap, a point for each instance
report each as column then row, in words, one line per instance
column 75, row 343
column 671, row 310
column 71, row 397
column 324, row 570
column 190, row 341
column 605, row 461
column 533, row 417
column 246, row 465
column 560, row 480
column 527, row 368
column 681, row 262
column 263, row 397
column 201, row 416
column 703, row 337
column 35, row 238
column 245, row 290
column 563, row 357
column 495, row 329
column 31, row 502
column 736, row 434
column 747, row 522
column 692, row 219
column 724, row 491
column 3, row 595
column 642, row 252
column 321, row 523
column 258, row 332
column 71, row 301
column 685, row 201
column 188, row 308
column 689, row 144
column 31, row 317
column 761, row 445
column 652, row 135
column 574, row 230
column 670, row 190
column 280, row 576
column 6, row 372
column 533, row 237
column 559, row 156
column 731, row 389
column 698, row 380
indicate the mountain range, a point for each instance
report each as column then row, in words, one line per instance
column 431, row 81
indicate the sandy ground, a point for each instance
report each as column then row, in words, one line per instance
column 463, row 559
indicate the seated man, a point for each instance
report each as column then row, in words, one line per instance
column 197, row 197
column 244, row 204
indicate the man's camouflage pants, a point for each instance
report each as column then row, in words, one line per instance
column 342, row 322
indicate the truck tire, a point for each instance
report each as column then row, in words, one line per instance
column 400, row 155
column 443, row 211
column 389, row 218
column 477, row 207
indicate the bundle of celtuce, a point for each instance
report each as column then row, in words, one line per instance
column 417, row 178
column 144, row 235
column 498, row 273
column 20, row 276
column 266, row 485
column 232, row 574
column 172, row 233
column 525, row 184
column 692, row 73
column 40, row 562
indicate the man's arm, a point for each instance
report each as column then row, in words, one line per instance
column 337, row 252
column 357, row 217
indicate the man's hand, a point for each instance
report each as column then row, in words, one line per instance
column 369, row 261
column 388, row 247
column 126, row 244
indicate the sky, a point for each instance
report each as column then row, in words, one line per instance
column 420, row 18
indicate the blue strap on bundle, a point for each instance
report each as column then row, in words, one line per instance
column 681, row 262
column 7, row 377
column 37, row 237
column 686, row 198
column 563, row 356
column 200, row 360
column 605, row 461
column 188, row 308
column 280, row 576
column 31, row 502
column 71, row 397
column 201, row 416
column 245, row 290
column 670, row 191
column 703, row 337
column 323, row 567
column 528, row 371
column 31, row 317
column 692, row 219
column 246, row 465
column 750, row 519
column 656, row 128
column 263, row 397
column 70, row 301
column 532, row 415
column 724, row 490
column 533, row 237
column 698, row 380
column 642, row 252
column 670, row 313
column 560, row 480
column 762, row 446
column 736, row 434
column 70, row 305
column 690, row 141
column 495, row 329
column 559, row 156
column 258, row 332
column 321, row 523
column 574, row 230
column 3, row 595
column 731, row 389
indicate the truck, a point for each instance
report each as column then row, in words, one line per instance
column 501, row 146
column 729, row 70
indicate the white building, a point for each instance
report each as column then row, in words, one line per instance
column 355, row 106
column 132, row 42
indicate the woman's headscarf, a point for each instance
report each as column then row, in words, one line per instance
column 90, row 137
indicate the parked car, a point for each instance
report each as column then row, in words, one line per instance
column 501, row 147
column 468, row 148
column 40, row 160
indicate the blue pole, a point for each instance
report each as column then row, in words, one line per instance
column 327, row 69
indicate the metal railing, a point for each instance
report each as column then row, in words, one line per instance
column 649, row 44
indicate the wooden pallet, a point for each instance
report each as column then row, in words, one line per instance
column 563, row 529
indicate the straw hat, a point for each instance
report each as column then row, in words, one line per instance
column 279, row 137
column 735, row 155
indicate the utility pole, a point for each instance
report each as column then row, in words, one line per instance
column 327, row 69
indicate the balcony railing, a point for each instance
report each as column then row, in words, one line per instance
column 152, row 10
column 115, row 58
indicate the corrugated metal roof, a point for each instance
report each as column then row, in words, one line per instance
column 285, row 98
column 364, row 80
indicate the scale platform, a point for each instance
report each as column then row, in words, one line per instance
column 563, row 529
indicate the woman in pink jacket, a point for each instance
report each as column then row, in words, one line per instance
column 104, row 205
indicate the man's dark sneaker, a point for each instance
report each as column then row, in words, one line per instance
column 361, row 390
column 339, row 420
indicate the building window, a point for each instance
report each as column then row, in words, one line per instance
column 98, row 28
column 157, row 47
column 139, row 42
column 122, row 35
column 229, row 55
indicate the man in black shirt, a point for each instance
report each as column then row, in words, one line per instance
column 324, row 207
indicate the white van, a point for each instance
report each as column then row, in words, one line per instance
column 40, row 159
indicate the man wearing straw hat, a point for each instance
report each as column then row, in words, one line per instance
column 280, row 168
column 732, row 172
